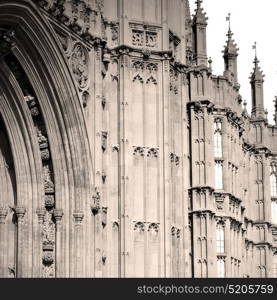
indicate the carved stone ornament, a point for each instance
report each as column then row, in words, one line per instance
column 153, row 152
column 48, row 258
column 151, row 39
column 95, row 205
column 7, row 41
column 48, row 183
column 49, row 201
column 79, row 64
column 137, row 38
column 138, row 151
column 114, row 34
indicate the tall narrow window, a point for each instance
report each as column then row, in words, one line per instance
column 218, row 139
column 273, row 180
column 218, row 175
column 220, row 238
column 274, row 211
column 220, row 267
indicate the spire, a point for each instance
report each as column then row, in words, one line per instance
column 256, row 81
column 230, row 54
column 200, row 15
column 257, row 74
column 199, row 25
column 188, row 33
column 231, row 46
column 188, row 15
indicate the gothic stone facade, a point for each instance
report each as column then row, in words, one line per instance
column 121, row 154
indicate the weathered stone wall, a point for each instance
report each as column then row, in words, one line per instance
column 109, row 110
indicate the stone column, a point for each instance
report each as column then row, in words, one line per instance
column 228, row 248
column 3, row 215
column 196, row 256
column 58, row 214
column 211, row 248
column 266, row 189
column 78, row 238
column 40, row 213
column 20, row 212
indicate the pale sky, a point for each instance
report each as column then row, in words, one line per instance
column 251, row 20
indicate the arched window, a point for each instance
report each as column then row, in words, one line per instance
column 273, row 180
column 220, row 238
column 218, row 175
column 218, row 139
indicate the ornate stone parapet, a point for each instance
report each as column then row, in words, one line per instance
column 79, row 16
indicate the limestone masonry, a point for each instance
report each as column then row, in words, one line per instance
column 121, row 154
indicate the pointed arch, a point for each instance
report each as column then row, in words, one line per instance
column 40, row 55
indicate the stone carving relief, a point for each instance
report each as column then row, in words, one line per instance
column 104, row 216
column 95, row 205
column 48, row 242
column 138, row 78
column 154, row 227
column 138, row 151
column 32, row 104
column 175, row 159
column 79, row 64
column 219, row 200
column 144, row 72
column 139, row 226
column 153, row 152
column 48, row 183
column 7, row 40
column 152, row 80
column 149, row 152
column 145, row 36
column 152, row 68
column 137, row 38
column 175, row 232
column 138, row 66
column 45, row 218
column 174, row 81
column 43, row 145
column 114, row 33
column 85, row 99
column 115, row 148
column 174, row 42
column 142, row 226
column 104, row 138
column 151, row 39
column 77, row 15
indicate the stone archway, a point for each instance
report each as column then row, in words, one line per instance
column 46, row 130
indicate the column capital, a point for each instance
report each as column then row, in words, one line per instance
column 41, row 211
column 58, row 214
column 78, row 216
column 20, row 212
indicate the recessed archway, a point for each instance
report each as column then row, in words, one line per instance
column 61, row 124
